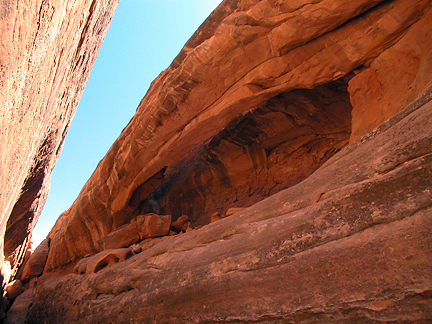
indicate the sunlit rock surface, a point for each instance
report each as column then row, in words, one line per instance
column 256, row 101
column 47, row 49
column 266, row 147
column 350, row 244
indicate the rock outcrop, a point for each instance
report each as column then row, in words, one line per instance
column 144, row 226
column 262, row 95
column 102, row 260
column 35, row 265
column 47, row 49
column 276, row 114
column 350, row 244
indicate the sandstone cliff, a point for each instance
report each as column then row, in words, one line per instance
column 350, row 244
column 281, row 107
column 47, row 49
column 258, row 99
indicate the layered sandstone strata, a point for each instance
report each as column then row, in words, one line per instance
column 47, row 49
column 256, row 101
column 350, row 244
column 258, row 111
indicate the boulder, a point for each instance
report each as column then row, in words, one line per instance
column 152, row 225
column 215, row 217
column 145, row 226
column 17, row 314
column 36, row 263
column 122, row 237
column 186, row 226
column 14, row 289
column 179, row 223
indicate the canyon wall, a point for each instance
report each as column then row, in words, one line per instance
column 258, row 99
column 312, row 119
column 47, row 49
column 349, row 244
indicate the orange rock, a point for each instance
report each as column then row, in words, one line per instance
column 353, row 254
column 233, row 211
column 179, row 223
column 102, row 260
column 152, row 225
column 187, row 226
column 122, row 237
column 14, row 289
column 215, row 217
column 145, row 226
column 36, row 263
column 47, row 50
column 393, row 79
column 255, row 103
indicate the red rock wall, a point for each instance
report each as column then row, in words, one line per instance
column 245, row 54
column 386, row 84
column 349, row 244
column 272, row 147
column 47, row 49
column 264, row 98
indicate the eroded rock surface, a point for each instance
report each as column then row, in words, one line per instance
column 102, row 260
column 35, row 265
column 261, row 96
column 257, row 112
column 47, row 49
column 144, row 226
column 349, row 244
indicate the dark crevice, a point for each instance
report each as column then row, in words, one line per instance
column 262, row 151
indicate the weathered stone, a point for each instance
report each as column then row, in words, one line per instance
column 393, row 79
column 233, row 211
column 349, row 244
column 215, row 217
column 179, row 223
column 257, row 100
column 186, row 226
column 5, row 304
column 144, row 226
column 123, row 237
column 136, row 248
column 47, row 49
column 14, row 289
column 102, row 260
column 36, row 263
column 17, row 314
column 257, row 111
column 152, row 225
column 26, row 257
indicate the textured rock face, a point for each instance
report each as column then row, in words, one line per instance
column 145, row 226
column 35, row 265
column 393, row 79
column 257, row 111
column 350, row 244
column 102, row 260
column 47, row 49
column 259, row 98
column 270, row 148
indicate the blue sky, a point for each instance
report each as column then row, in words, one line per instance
column 143, row 39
